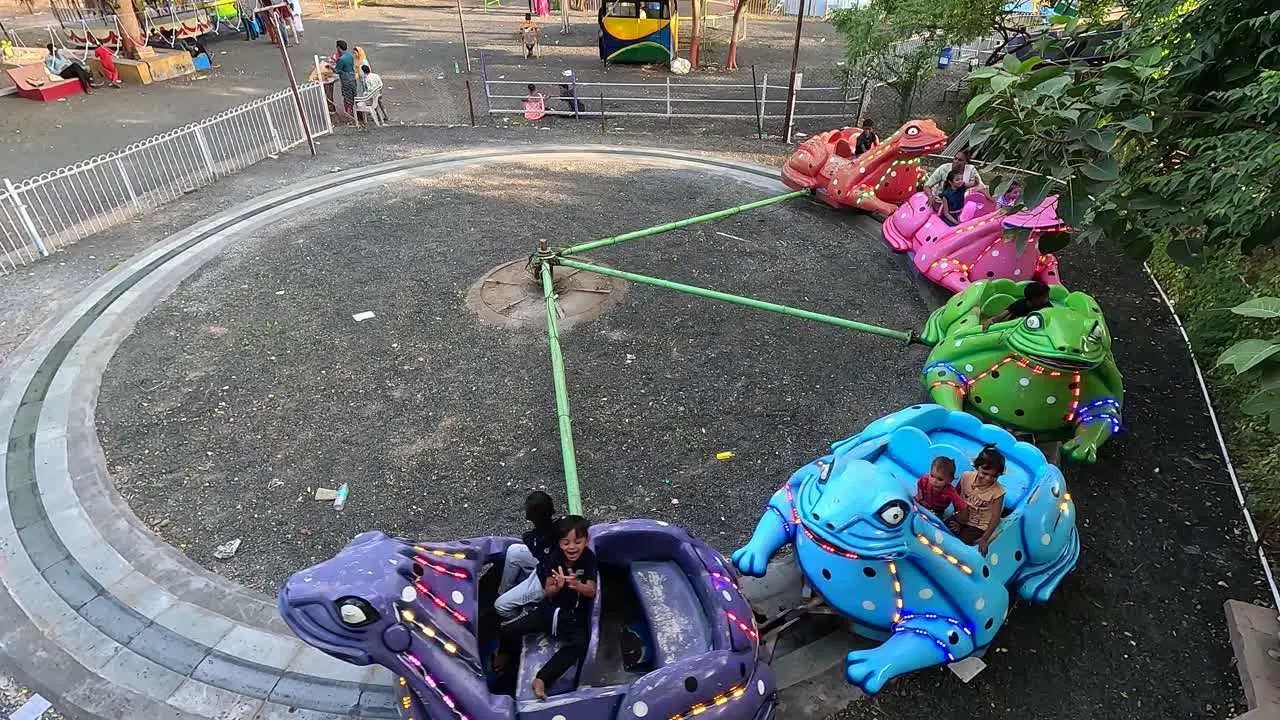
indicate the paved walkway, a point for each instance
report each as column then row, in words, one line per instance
column 113, row 622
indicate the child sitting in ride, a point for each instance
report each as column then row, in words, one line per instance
column 569, row 587
column 935, row 490
column 1010, row 196
column 528, row 558
column 1035, row 296
column 982, row 492
column 952, row 198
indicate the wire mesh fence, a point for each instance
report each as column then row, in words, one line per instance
column 48, row 212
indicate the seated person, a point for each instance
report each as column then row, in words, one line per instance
column 935, row 490
column 1012, row 196
column 951, row 200
column 1035, row 296
column 535, row 104
column 866, row 138
column 982, row 492
column 527, row 557
column 59, row 66
column 569, row 585
column 938, row 179
column 529, row 33
column 575, row 104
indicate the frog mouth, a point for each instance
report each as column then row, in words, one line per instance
column 1060, row 363
column 872, row 551
column 927, row 148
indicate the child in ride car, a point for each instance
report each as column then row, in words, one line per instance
column 935, row 491
column 1035, row 296
column 569, row 585
column 525, row 558
column 983, row 493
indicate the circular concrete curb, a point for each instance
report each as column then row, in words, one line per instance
column 110, row 620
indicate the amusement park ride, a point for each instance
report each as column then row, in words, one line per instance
column 863, row 543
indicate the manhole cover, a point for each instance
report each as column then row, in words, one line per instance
column 509, row 296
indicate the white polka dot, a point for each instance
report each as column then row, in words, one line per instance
column 888, row 421
column 958, row 343
column 408, row 594
column 937, row 537
column 1045, row 539
column 982, row 602
column 924, row 257
column 868, row 605
column 1017, row 271
column 994, row 409
column 640, row 709
column 1024, row 381
column 968, row 368
column 1050, row 400
column 943, row 265
column 926, row 593
column 760, row 686
column 458, row 597
column 995, row 253
column 994, row 559
column 663, row 523
column 559, row 717
column 726, row 595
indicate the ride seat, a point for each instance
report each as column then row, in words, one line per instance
column 536, row 649
column 676, row 618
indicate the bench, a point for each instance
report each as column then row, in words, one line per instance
column 677, row 622
column 537, row 649
column 34, row 83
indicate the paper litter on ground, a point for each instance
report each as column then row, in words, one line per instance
column 32, row 709
column 366, row 315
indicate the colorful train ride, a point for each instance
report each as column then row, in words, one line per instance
column 638, row 31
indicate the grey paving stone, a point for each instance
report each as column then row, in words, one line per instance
column 169, row 649
column 336, row 697
column 101, row 562
column 25, row 419
column 196, row 623
column 233, row 674
column 261, row 647
column 378, row 702
column 275, row 711
column 71, row 583
column 204, row 700
column 24, row 505
column 313, row 663
column 53, row 412
column 142, row 675
column 137, row 591
column 40, row 544
column 89, row 646
column 113, row 619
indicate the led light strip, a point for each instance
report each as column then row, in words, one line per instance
column 937, row 550
column 733, row 694
column 440, row 569
column 445, row 698
column 747, row 630
column 428, row 631
column 439, row 602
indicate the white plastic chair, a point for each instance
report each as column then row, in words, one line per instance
column 368, row 103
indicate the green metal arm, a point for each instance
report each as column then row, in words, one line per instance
column 726, row 297
column 584, row 247
column 562, row 397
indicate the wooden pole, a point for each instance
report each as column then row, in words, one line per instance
column 791, row 84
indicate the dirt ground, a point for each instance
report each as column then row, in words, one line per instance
column 446, row 444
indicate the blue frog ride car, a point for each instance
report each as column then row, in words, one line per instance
column 891, row 566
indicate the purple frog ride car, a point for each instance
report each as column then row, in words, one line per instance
column 423, row 610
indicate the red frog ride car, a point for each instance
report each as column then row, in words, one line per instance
column 878, row 180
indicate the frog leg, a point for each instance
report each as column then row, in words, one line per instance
column 871, row 203
column 945, row 384
column 774, row 529
column 1097, row 422
column 917, row 642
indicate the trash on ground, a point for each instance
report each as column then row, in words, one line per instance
column 724, row 455
column 967, row 669
column 32, row 709
column 226, row 551
column 340, row 498
column 326, row 494
column 366, row 315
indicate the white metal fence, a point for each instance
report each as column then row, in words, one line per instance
column 46, row 213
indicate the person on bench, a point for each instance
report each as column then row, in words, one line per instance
column 528, row 557
column 67, row 69
column 569, row 584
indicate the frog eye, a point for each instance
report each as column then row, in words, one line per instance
column 1034, row 321
column 913, row 131
column 893, row 513
column 356, row 612
column 1096, row 333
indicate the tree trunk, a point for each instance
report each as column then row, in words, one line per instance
column 732, row 63
column 130, row 28
column 695, row 34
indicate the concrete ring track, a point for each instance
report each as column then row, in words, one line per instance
column 110, row 621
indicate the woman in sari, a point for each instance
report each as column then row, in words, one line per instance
column 541, row 8
column 345, row 66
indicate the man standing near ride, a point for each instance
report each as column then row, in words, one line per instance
column 938, row 180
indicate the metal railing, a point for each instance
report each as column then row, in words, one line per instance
column 46, row 213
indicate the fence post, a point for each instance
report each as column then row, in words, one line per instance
column 790, row 122
column 669, row 97
column 25, row 218
column 272, row 126
column 602, row 131
column 204, row 150
column 471, row 106
column 128, row 184
column 755, row 91
column 573, row 79
column 484, row 79
column 764, row 107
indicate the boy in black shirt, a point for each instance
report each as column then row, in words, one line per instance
column 569, row 584
column 1035, row 296
column 529, row 557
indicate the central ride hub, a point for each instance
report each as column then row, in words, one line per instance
column 510, row 295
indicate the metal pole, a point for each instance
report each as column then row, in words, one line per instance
column 484, row 78
column 739, row 300
column 755, row 92
column 602, row 130
column 562, row 397
column 573, row 78
column 25, row 218
column 791, row 84
column 471, row 106
column 273, row 16
column 466, row 49
column 584, row 247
